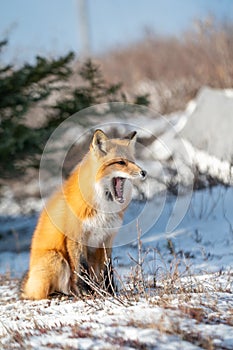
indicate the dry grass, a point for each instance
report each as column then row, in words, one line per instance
column 171, row 69
column 183, row 306
column 183, row 310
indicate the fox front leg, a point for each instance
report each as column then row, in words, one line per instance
column 75, row 260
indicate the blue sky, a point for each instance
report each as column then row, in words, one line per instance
column 50, row 27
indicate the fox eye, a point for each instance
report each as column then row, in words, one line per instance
column 121, row 162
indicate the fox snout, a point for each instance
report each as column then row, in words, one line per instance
column 140, row 173
column 135, row 171
column 143, row 174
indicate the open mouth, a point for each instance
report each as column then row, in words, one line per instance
column 118, row 188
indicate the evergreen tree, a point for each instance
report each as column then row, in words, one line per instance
column 21, row 89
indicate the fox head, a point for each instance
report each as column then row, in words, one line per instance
column 116, row 166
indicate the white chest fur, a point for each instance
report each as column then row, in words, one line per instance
column 101, row 227
column 107, row 221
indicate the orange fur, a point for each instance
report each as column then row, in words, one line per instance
column 77, row 227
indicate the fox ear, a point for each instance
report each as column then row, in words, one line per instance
column 99, row 141
column 131, row 135
column 132, row 138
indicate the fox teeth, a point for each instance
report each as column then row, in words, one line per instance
column 118, row 186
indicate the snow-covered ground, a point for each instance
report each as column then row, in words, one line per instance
column 173, row 257
column 203, row 238
column 182, row 320
column 186, row 303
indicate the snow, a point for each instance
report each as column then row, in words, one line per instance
column 189, row 308
column 203, row 235
column 173, row 259
column 209, row 126
column 155, row 322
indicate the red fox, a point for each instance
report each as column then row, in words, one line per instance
column 77, row 227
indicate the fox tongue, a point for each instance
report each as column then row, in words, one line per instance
column 119, row 188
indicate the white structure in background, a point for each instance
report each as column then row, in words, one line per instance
column 84, row 28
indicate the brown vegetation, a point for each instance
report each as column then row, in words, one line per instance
column 173, row 69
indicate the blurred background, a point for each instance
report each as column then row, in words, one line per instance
column 97, row 27
column 58, row 57
column 171, row 64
